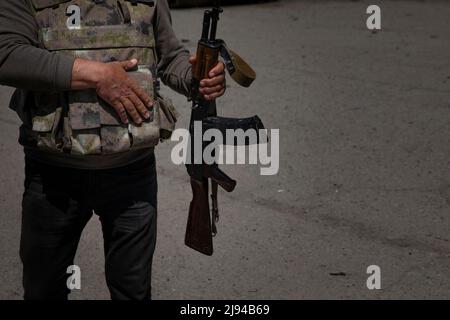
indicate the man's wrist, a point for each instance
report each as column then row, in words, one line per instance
column 87, row 74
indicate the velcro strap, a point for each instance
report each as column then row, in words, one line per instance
column 120, row 36
column 239, row 70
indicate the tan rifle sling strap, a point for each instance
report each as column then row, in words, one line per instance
column 239, row 70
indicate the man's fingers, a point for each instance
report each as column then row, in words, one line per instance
column 211, row 90
column 213, row 82
column 143, row 96
column 214, row 96
column 192, row 59
column 120, row 110
column 215, row 86
column 139, row 105
column 218, row 69
column 128, row 65
column 131, row 110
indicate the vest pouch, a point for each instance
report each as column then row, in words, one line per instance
column 45, row 121
column 84, row 122
column 147, row 134
column 168, row 117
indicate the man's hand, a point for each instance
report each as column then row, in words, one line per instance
column 214, row 87
column 114, row 86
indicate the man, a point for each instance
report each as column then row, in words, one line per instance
column 86, row 72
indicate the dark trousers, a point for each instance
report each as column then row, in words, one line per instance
column 57, row 204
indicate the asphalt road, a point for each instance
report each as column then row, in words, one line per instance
column 364, row 178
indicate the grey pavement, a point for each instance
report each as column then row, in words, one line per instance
column 364, row 176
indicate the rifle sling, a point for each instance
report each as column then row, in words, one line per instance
column 239, row 70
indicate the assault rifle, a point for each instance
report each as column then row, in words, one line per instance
column 201, row 225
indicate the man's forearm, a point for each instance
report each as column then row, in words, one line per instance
column 173, row 58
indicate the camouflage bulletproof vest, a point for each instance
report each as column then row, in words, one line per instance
column 79, row 122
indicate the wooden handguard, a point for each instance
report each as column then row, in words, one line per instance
column 207, row 58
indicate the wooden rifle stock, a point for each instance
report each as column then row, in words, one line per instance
column 198, row 231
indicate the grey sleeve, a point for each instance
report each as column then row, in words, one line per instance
column 22, row 63
column 173, row 58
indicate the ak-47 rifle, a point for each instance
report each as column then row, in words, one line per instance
column 201, row 226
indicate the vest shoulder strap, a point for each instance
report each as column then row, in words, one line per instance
column 43, row 4
column 150, row 2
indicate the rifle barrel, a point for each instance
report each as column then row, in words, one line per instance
column 215, row 16
column 206, row 25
